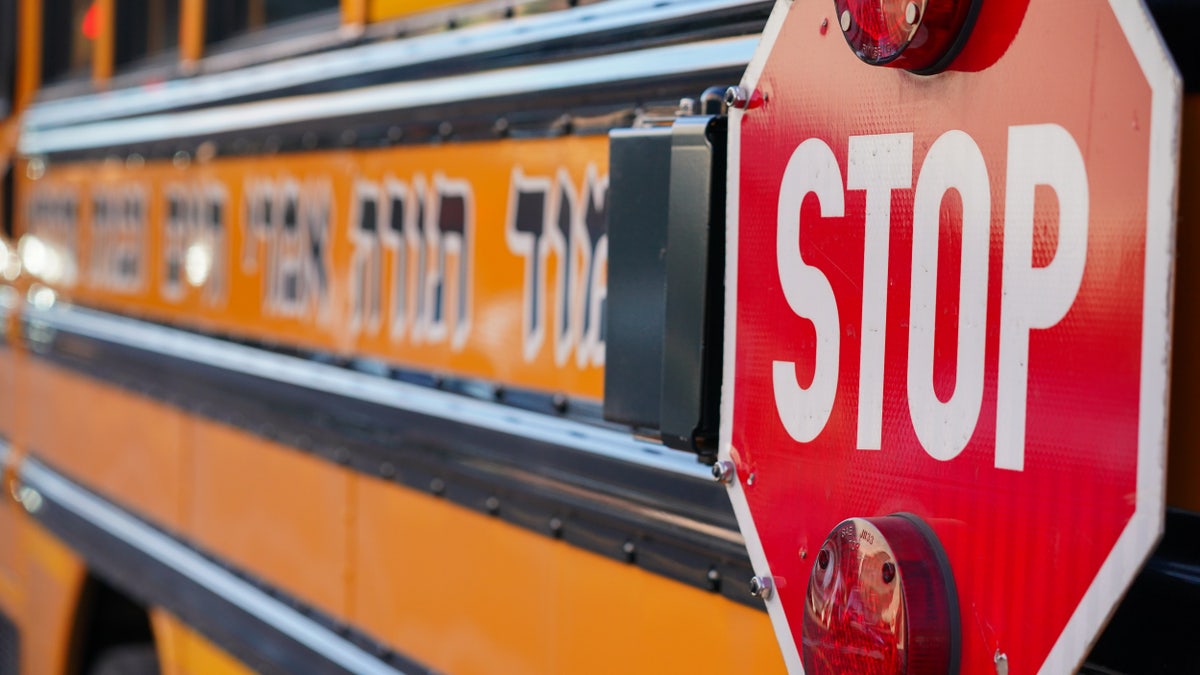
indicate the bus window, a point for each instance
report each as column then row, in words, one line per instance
column 8, row 52
column 225, row 19
column 68, row 28
column 145, row 28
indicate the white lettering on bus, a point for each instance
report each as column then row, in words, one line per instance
column 1032, row 297
column 428, row 233
column 195, row 243
column 548, row 216
column 117, row 255
column 292, row 222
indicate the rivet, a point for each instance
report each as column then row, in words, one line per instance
column 714, row 578
column 629, row 549
column 1001, row 663
column 31, row 499
column 387, row 470
column 560, row 403
column 845, row 20
column 751, row 479
column 724, row 471
column 556, row 526
column 35, row 169
column 492, row 505
column 761, row 587
column 445, row 129
column 437, row 486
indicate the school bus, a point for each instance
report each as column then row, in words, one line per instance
column 334, row 342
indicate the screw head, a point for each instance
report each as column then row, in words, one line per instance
column 737, row 97
column 724, row 471
column 762, row 587
column 912, row 13
column 888, row 572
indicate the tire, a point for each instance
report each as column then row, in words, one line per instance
column 137, row 659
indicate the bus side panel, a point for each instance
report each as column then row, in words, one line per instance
column 280, row 514
column 128, row 447
column 53, row 582
column 182, row 651
column 535, row 604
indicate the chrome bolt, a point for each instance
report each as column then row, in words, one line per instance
column 737, row 97
column 912, row 13
column 724, row 471
column 31, row 499
column 762, row 587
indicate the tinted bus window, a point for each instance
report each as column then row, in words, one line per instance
column 145, row 28
column 225, row 19
column 66, row 49
column 8, row 54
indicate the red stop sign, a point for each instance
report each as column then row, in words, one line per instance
column 949, row 296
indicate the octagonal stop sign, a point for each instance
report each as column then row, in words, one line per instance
column 948, row 297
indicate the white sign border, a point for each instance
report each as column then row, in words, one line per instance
column 1142, row 532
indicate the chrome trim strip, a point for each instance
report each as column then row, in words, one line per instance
column 650, row 63
column 171, row 553
column 331, row 379
column 299, row 71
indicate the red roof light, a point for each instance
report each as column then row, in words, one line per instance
column 881, row 601
column 919, row 35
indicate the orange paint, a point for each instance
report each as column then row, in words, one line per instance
column 126, row 447
column 250, row 270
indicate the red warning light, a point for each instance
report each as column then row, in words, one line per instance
column 919, row 35
column 91, row 22
column 881, row 601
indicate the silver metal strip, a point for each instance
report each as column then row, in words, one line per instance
column 299, row 71
column 5, row 452
column 400, row 395
column 650, row 63
column 171, row 553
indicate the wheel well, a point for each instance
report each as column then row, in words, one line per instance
column 107, row 618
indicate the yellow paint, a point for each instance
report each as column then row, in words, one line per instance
column 53, row 582
column 182, row 651
column 275, row 512
column 29, row 52
column 128, row 448
column 354, row 13
column 458, row 590
column 382, row 10
column 191, row 32
column 466, row 593
column 494, row 347
column 103, row 48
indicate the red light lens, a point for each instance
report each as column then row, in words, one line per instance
column 918, row 35
column 881, row 601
